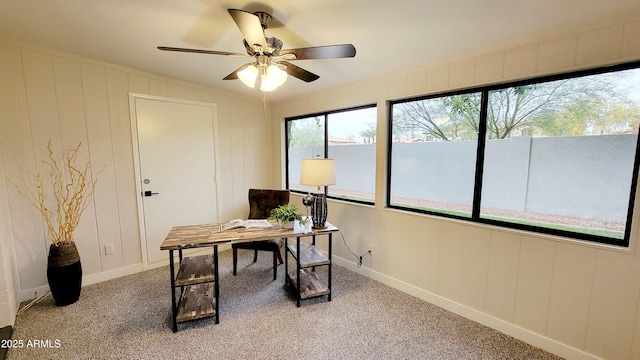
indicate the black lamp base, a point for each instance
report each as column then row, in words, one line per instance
column 319, row 211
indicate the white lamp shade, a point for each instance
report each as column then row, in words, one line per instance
column 272, row 78
column 318, row 172
column 248, row 75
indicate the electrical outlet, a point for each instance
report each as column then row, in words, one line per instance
column 108, row 249
column 370, row 249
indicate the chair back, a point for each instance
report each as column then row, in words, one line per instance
column 262, row 201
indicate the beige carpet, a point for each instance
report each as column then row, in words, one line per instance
column 130, row 318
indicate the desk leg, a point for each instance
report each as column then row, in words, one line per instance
column 330, row 265
column 216, row 286
column 286, row 260
column 313, row 242
column 298, row 271
column 174, row 309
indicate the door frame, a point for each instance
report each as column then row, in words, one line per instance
column 136, row 163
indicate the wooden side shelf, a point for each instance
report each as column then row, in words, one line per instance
column 310, row 284
column 302, row 276
column 195, row 270
column 194, row 287
column 197, row 302
column 309, row 255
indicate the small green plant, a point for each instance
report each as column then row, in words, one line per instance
column 286, row 213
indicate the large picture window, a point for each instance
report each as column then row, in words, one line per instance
column 555, row 155
column 347, row 136
column 434, row 156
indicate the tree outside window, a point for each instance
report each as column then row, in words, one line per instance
column 557, row 155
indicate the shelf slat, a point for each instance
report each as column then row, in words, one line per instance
column 310, row 284
column 309, row 255
column 196, row 302
column 195, row 270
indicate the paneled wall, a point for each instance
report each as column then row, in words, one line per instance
column 47, row 96
column 8, row 304
column 578, row 300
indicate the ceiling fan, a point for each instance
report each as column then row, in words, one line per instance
column 271, row 62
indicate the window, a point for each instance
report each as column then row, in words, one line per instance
column 305, row 139
column 347, row 136
column 434, row 158
column 555, row 155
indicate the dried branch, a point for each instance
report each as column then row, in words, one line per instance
column 71, row 187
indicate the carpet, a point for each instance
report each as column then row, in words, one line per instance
column 130, row 318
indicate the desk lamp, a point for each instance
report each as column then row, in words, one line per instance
column 318, row 172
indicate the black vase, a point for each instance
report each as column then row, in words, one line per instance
column 64, row 273
column 319, row 211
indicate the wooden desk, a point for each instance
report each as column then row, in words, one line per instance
column 198, row 278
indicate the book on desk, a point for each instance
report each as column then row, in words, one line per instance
column 246, row 224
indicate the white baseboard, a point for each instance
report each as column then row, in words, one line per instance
column 113, row 274
column 86, row 280
column 515, row 331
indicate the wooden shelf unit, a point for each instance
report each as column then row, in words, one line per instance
column 310, row 284
column 196, row 302
column 303, row 278
column 197, row 281
column 310, row 255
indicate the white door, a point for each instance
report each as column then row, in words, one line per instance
column 176, row 159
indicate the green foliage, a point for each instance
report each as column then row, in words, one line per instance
column 591, row 105
column 368, row 135
column 307, row 132
column 593, row 116
column 286, row 213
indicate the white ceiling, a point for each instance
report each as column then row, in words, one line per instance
column 388, row 35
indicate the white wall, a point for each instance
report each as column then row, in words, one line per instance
column 45, row 96
column 8, row 300
column 578, row 300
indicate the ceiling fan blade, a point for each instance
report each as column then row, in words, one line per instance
column 234, row 74
column 211, row 52
column 299, row 72
column 250, row 27
column 321, row 52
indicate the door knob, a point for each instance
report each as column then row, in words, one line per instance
column 149, row 193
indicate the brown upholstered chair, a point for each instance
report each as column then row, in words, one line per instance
column 261, row 202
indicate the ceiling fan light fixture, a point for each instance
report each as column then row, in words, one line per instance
column 272, row 78
column 271, row 62
column 249, row 75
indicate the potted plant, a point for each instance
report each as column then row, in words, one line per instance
column 286, row 215
column 62, row 192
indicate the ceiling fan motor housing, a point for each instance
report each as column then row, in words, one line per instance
column 265, row 19
column 273, row 43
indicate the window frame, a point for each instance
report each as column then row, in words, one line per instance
column 325, row 116
column 480, row 153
